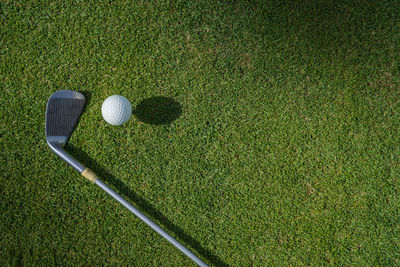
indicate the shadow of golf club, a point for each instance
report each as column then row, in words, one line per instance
column 143, row 205
column 158, row 110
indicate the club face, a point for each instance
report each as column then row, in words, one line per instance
column 63, row 111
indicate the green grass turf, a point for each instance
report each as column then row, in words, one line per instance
column 284, row 148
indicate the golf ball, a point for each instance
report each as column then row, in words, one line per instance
column 116, row 110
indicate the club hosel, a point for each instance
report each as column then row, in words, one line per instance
column 67, row 157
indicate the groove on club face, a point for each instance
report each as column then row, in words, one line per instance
column 62, row 114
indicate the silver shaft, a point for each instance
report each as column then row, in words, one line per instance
column 66, row 157
column 150, row 223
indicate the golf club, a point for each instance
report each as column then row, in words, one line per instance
column 62, row 114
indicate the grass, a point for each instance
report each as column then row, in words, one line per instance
column 282, row 146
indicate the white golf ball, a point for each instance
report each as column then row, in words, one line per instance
column 116, row 110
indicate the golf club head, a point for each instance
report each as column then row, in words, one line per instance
column 63, row 111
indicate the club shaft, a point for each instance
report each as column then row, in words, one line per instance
column 150, row 223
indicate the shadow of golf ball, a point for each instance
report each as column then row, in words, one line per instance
column 158, row 110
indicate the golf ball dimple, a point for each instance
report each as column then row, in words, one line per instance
column 116, row 110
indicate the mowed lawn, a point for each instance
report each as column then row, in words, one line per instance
column 282, row 148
